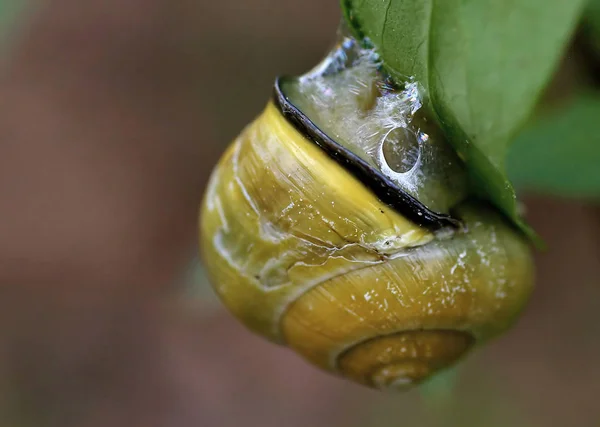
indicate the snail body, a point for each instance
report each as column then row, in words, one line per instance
column 316, row 248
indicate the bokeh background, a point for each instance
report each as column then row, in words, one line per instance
column 112, row 115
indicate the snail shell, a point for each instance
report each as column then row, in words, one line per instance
column 312, row 247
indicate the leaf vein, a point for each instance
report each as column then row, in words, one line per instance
column 385, row 25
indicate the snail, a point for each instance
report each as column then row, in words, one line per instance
column 340, row 224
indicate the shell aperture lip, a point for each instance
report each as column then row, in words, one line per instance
column 381, row 185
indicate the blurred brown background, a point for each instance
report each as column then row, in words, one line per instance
column 113, row 114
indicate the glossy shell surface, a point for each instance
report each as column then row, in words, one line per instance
column 305, row 254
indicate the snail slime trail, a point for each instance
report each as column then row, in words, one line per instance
column 340, row 224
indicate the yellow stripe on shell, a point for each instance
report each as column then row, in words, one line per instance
column 280, row 217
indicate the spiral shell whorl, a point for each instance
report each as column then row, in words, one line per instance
column 304, row 254
column 401, row 360
column 435, row 300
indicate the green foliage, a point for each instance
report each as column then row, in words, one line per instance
column 568, row 141
column 593, row 14
column 592, row 24
column 483, row 64
column 10, row 11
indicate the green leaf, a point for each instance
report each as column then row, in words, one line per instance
column 593, row 13
column 592, row 24
column 559, row 153
column 483, row 64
